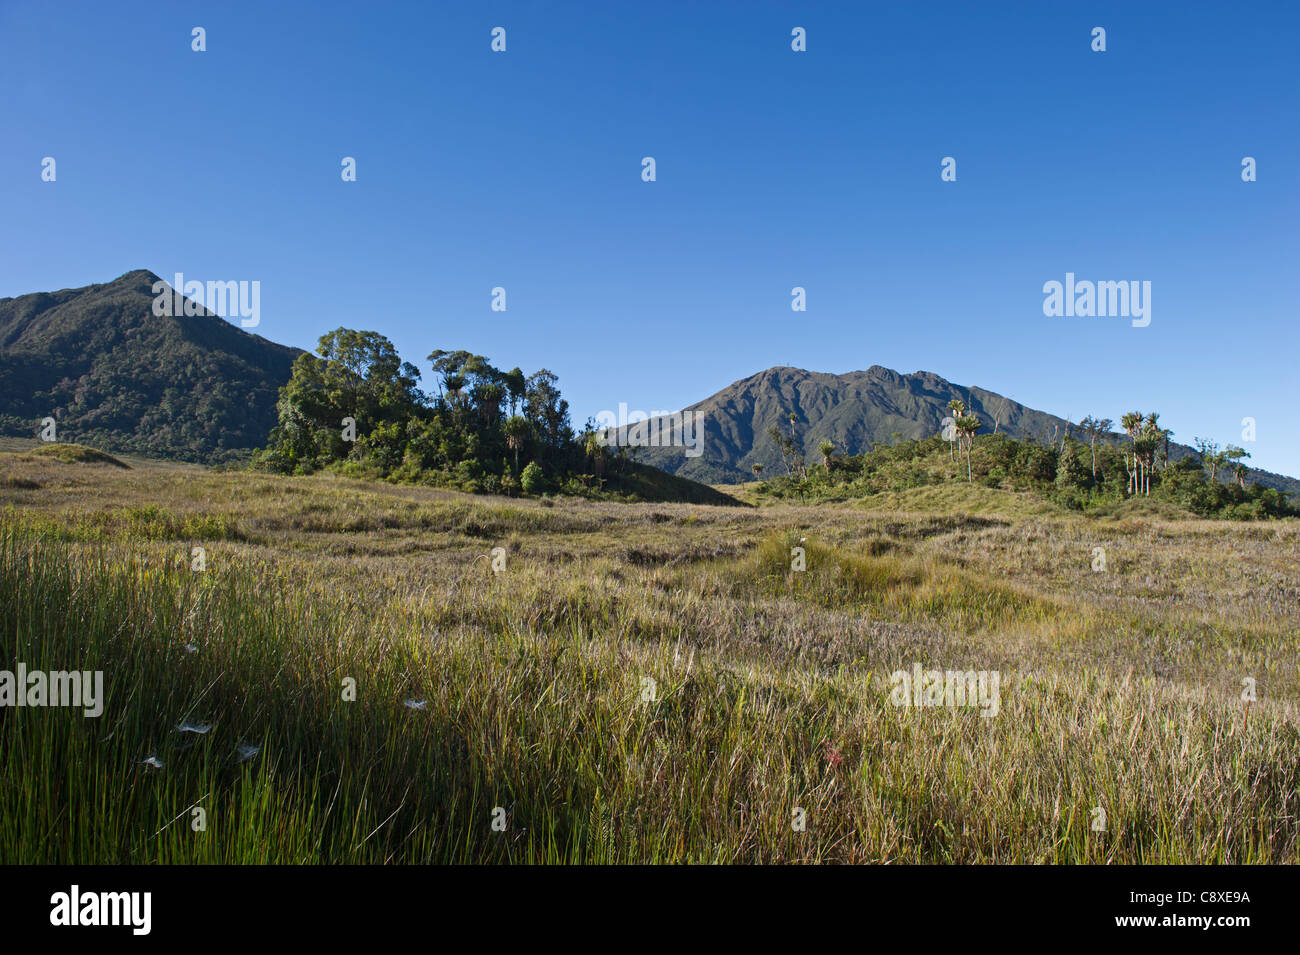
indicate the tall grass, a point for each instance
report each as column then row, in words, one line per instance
column 531, row 688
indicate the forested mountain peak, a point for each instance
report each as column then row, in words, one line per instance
column 113, row 374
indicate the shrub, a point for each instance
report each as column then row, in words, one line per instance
column 533, row 480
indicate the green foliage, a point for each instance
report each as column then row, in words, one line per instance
column 533, row 480
column 1093, row 477
column 354, row 408
column 115, row 376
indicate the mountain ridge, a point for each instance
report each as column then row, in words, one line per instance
column 854, row 410
column 111, row 373
column 201, row 389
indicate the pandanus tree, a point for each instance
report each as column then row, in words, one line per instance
column 516, row 430
column 1132, row 425
column 967, row 427
column 964, row 427
column 958, row 409
column 598, row 451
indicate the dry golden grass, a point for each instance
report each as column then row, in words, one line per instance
column 1120, row 689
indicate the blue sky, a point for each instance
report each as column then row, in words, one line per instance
column 775, row 169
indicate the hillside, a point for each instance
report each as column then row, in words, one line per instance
column 115, row 376
column 855, row 411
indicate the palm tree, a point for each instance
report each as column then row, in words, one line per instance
column 958, row 409
column 1131, row 423
column 1151, row 431
column 596, row 450
column 757, row 469
column 967, row 426
column 455, row 385
column 516, row 430
column 826, row 449
column 797, row 449
column 489, row 397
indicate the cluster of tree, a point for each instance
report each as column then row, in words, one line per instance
column 1229, row 460
column 960, row 430
column 356, row 407
column 1086, row 467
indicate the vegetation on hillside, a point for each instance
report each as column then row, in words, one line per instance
column 355, row 408
column 857, row 411
column 1087, row 469
column 111, row 374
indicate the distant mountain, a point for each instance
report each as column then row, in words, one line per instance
column 115, row 376
column 854, row 411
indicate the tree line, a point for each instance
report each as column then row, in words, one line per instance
column 357, row 408
column 1082, row 466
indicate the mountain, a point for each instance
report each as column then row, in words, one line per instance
column 115, row 376
column 854, row 411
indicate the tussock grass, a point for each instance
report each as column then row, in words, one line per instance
column 889, row 587
column 1119, row 689
column 76, row 454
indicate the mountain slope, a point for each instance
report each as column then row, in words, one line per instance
column 854, row 411
column 114, row 375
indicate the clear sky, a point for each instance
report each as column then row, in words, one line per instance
column 775, row 169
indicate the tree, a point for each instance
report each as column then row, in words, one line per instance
column 516, row 385
column 757, row 469
column 357, row 375
column 1155, row 442
column 958, row 409
column 790, row 454
column 533, row 480
column 1211, row 456
column 517, row 430
column 598, row 452
column 826, row 449
column 796, row 448
column 546, row 411
column 1132, row 424
column 448, row 365
column 1233, row 457
column 967, row 426
column 1094, row 428
column 1070, row 472
column 462, row 437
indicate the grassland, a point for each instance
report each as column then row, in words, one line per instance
column 524, row 690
